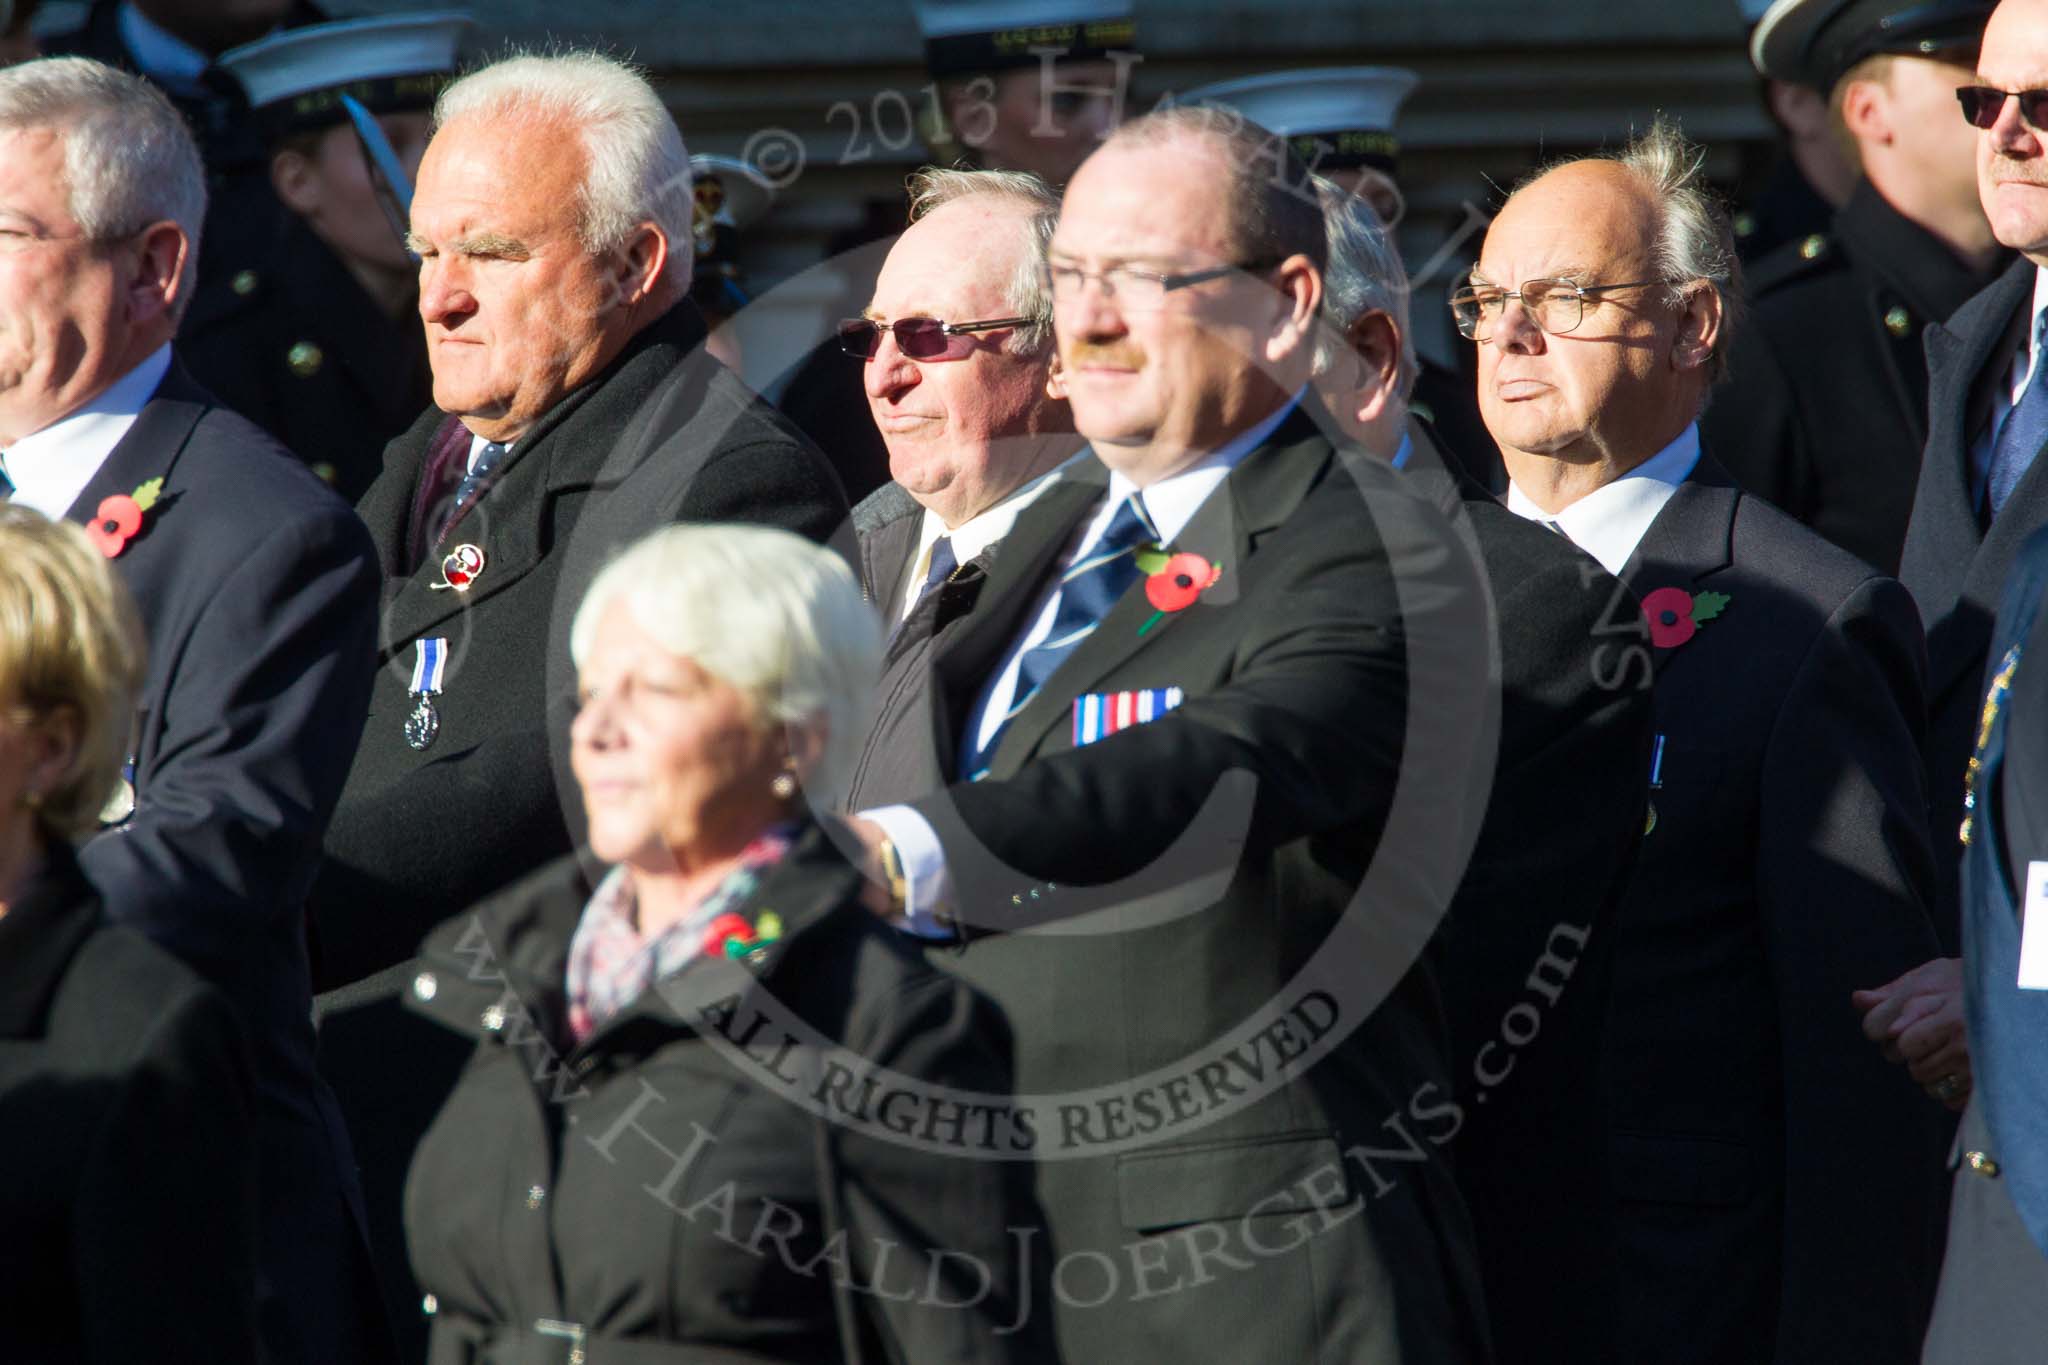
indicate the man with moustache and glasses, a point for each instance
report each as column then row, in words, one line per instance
column 1177, row 719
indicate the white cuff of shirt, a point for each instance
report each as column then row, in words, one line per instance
column 928, row 887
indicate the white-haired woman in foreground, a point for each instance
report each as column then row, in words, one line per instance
column 651, row 1157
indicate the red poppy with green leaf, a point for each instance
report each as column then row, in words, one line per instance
column 1174, row 582
column 1675, row 615
column 119, row 518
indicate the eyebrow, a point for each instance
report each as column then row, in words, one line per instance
column 477, row 244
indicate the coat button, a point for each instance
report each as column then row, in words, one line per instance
column 494, row 1017
column 424, row 985
column 304, row 358
column 1980, row 1163
column 1898, row 321
column 244, row 282
column 1812, row 247
column 430, row 1305
column 534, row 1195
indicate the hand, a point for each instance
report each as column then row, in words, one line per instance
column 1917, row 1021
column 875, row 895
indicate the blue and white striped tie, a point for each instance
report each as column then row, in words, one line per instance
column 1088, row 589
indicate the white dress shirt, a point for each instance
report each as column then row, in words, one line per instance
column 2006, row 397
column 973, row 535
column 1171, row 503
column 476, row 450
column 51, row 467
column 1608, row 523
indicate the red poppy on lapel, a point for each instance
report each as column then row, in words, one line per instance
column 119, row 518
column 1675, row 615
column 1176, row 584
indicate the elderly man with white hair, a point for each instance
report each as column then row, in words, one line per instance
column 575, row 410
column 257, row 589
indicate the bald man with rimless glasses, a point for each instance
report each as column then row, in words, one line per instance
column 1774, row 1181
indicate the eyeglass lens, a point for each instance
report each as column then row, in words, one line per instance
column 918, row 338
column 1983, row 104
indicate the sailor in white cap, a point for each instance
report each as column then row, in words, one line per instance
column 1027, row 85
column 318, row 338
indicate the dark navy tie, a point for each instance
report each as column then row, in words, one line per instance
column 6, row 484
column 2025, row 429
column 943, row 563
column 474, row 484
column 1090, row 586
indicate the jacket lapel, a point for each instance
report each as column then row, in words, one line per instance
column 1690, row 541
column 1266, row 486
column 149, row 450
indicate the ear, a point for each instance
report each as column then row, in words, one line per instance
column 1867, row 112
column 1301, row 291
column 638, row 263
column 1699, row 329
column 298, row 186
column 1377, row 343
column 1056, row 379
column 807, row 740
column 156, row 282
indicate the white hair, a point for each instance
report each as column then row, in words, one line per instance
column 1694, row 242
column 639, row 170
column 1029, row 294
column 764, row 610
column 129, row 160
column 1364, row 275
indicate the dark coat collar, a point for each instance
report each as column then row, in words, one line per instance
column 39, row 935
column 558, row 454
column 1908, row 257
column 520, row 941
column 150, row 449
column 1691, row 539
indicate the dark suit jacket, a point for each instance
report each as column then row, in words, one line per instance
column 1179, row 891
column 1952, row 565
column 1754, row 1126
column 129, row 1190
column 1532, row 931
column 667, row 434
column 257, row 588
column 608, row 1245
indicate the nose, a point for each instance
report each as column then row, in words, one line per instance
column 595, row 725
column 1089, row 310
column 1515, row 331
column 2010, row 135
column 444, row 294
column 890, row 374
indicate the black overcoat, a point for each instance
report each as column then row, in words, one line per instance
column 129, row 1193
column 653, row 1185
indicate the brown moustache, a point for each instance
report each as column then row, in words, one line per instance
column 1125, row 355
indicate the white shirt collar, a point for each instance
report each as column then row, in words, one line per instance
column 1171, row 502
column 1609, row 522
column 975, row 534
column 51, row 467
column 161, row 55
column 476, row 450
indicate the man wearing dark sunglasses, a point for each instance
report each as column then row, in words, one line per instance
column 956, row 357
column 1983, row 493
column 1825, row 413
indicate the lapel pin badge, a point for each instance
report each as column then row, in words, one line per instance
column 460, row 568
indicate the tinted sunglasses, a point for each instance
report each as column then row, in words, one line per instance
column 919, row 338
column 1982, row 104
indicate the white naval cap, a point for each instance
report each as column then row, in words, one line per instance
column 962, row 36
column 389, row 62
column 1349, row 110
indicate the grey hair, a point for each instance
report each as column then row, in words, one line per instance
column 1028, row 295
column 639, row 170
column 1274, row 209
column 1695, row 244
column 767, row 612
column 1364, row 275
column 129, row 159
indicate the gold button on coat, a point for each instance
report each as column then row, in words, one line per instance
column 1981, row 1164
column 304, row 358
column 1898, row 321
